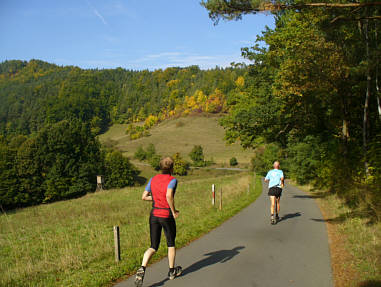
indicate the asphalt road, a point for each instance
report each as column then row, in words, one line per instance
column 247, row 251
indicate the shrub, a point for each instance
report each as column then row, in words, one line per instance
column 150, row 151
column 140, row 154
column 304, row 159
column 150, row 121
column 119, row 172
column 264, row 158
column 233, row 161
column 180, row 166
column 197, row 155
column 154, row 161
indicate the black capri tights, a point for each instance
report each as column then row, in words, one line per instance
column 155, row 226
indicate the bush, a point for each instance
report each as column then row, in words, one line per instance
column 180, row 166
column 304, row 159
column 233, row 161
column 197, row 155
column 150, row 151
column 140, row 154
column 264, row 158
column 155, row 161
column 119, row 172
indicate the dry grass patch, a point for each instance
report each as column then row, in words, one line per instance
column 355, row 242
column 180, row 135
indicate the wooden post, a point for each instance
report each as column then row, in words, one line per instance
column 248, row 188
column 255, row 181
column 117, row 243
column 100, row 181
column 213, row 194
column 221, row 198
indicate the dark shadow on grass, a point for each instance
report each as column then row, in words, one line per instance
column 220, row 256
column 362, row 214
column 289, row 216
column 370, row 283
column 140, row 180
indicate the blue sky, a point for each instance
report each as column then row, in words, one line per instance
column 133, row 34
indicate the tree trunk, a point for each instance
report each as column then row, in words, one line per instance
column 377, row 63
column 367, row 97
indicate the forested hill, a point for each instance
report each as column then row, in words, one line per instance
column 36, row 93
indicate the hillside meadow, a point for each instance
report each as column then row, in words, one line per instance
column 70, row 243
column 180, row 135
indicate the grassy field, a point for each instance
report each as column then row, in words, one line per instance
column 70, row 243
column 180, row 135
column 355, row 242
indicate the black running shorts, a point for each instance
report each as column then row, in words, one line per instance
column 155, row 226
column 275, row 191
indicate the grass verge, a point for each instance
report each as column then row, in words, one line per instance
column 70, row 243
column 355, row 242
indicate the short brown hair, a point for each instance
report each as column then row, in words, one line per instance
column 166, row 165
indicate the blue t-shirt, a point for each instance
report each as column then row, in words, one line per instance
column 275, row 176
column 172, row 184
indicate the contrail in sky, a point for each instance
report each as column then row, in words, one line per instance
column 96, row 12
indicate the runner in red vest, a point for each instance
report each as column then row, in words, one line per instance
column 161, row 191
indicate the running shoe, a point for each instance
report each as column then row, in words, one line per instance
column 277, row 217
column 139, row 277
column 273, row 222
column 175, row 273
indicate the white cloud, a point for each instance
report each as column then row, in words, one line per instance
column 183, row 59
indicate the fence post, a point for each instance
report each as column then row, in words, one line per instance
column 255, row 181
column 221, row 198
column 117, row 243
column 213, row 194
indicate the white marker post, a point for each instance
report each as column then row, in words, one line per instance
column 213, row 194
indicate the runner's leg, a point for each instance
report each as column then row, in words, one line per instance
column 147, row 256
column 171, row 256
column 277, row 205
column 169, row 226
column 272, row 199
column 155, row 234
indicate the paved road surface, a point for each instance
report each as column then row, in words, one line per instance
column 248, row 251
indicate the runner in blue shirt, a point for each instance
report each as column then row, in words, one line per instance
column 275, row 178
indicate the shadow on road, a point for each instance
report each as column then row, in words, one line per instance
column 220, row 256
column 314, row 195
column 289, row 216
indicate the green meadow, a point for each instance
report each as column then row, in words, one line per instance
column 70, row 243
column 180, row 135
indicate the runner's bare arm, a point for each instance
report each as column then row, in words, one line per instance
column 171, row 202
column 282, row 182
column 146, row 196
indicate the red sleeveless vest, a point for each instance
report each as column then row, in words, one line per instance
column 159, row 185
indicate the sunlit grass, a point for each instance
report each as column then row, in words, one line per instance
column 70, row 243
column 170, row 137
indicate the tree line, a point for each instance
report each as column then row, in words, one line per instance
column 311, row 95
column 36, row 93
column 60, row 161
column 50, row 117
